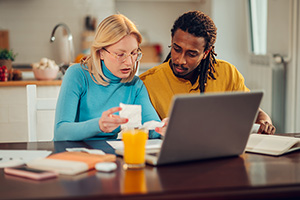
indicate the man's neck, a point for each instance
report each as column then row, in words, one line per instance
column 192, row 76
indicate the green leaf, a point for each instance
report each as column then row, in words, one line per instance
column 6, row 54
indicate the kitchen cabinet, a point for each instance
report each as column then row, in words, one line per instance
column 13, row 106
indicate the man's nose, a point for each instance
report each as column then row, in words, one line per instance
column 181, row 59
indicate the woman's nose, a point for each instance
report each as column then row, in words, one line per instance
column 128, row 60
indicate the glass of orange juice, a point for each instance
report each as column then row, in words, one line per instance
column 134, row 147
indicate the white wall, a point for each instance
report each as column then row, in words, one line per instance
column 154, row 19
column 232, row 41
column 279, row 29
column 31, row 22
column 232, row 45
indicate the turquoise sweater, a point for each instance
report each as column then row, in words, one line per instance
column 81, row 102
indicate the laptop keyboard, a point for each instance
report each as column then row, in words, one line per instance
column 153, row 154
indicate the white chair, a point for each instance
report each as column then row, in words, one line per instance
column 33, row 105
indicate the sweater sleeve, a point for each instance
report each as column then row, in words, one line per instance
column 239, row 82
column 67, row 126
column 148, row 112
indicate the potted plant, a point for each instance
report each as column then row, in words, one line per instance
column 6, row 58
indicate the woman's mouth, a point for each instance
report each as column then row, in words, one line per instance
column 125, row 70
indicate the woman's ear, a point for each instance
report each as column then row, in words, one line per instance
column 101, row 54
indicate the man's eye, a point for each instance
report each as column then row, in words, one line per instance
column 177, row 50
column 134, row 53
column 192, row 55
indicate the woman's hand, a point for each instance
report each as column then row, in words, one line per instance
column 162, row 130
column 109, row 122
column 266, row 127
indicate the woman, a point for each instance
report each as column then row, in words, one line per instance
column 91, row 91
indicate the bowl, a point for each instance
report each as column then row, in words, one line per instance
column 45, row 74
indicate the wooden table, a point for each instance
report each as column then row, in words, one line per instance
column 250, row 176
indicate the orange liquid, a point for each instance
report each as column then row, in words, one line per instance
column 135, row 181
column 134, row 146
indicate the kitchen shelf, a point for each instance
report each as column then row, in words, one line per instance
column 28, row 82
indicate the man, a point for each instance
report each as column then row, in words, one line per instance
column 191, row 67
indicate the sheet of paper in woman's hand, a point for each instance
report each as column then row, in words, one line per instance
column 151, row 125
column 133, row 113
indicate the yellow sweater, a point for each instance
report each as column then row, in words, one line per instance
column 162, row 84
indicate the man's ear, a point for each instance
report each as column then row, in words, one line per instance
column 206, row 54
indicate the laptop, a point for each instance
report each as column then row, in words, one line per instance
column 206, row 126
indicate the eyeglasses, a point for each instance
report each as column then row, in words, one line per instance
column 121, row 57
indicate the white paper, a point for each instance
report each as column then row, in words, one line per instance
column 90, row 151
column 151, row 125
column 255, row 128
column 11, row 158
column 150, row 144
column 133, row 113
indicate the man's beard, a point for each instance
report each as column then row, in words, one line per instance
column 181, row 76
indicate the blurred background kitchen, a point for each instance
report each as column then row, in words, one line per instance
column 259, row 37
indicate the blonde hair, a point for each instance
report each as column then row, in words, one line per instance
column 111, row 30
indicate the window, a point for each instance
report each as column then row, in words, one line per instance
column 258, row 26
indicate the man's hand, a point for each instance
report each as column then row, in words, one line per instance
column 266, row 128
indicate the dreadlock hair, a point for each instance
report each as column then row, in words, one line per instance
column 199, row 25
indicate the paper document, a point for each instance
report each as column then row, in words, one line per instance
column 150, row 144
column 70, row 163
column 10, row 158
column 255, row 128
column 272, row 144
column 134, row 115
